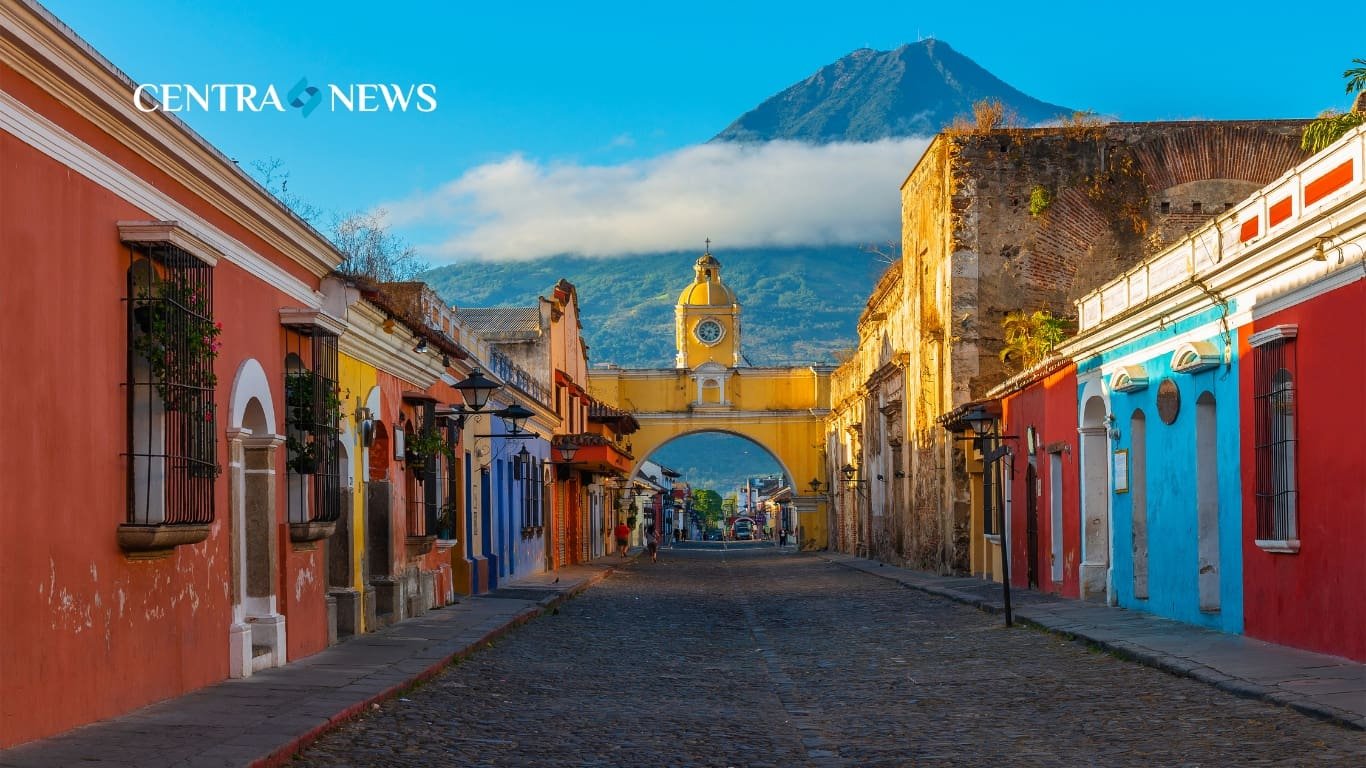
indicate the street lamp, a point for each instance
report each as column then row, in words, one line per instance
column 983, row 425
column 476, row 389
column 567, row 451
column 980, row 421
column 815, row 485
column 521, row 463
column 514, row 417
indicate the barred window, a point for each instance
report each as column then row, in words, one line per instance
column 425, row 447
column 172, row 343
column 1274, row 398
column 312, row 412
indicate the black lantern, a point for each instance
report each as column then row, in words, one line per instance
column 815, row 485
column 849, row 471
column 567, row 451
column 980, row 421
column 476, row 389
column 514, row 417
column 521, row 464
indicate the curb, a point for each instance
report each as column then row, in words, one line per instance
column 283, row 754
column 1129, row 652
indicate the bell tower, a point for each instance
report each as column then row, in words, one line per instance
column 707, row 319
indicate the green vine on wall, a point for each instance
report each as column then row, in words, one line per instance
column 179, row 340
column 309, row 418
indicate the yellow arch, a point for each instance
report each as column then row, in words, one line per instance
column 780, row 409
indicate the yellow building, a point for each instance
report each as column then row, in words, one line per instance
column 780, row 409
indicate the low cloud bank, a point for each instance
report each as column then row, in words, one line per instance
column 740, row 195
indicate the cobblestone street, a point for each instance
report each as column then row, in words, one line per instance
column 760, row 658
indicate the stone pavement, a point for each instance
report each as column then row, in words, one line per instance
column 266, row 718
column 754, row 657
column 1327, row 687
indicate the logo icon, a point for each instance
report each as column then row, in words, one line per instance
column 304, row 97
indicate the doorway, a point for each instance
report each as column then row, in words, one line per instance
column 1095, row 508
column 1207, row 502
column 1032, row 525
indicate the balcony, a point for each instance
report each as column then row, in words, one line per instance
column 596, row 453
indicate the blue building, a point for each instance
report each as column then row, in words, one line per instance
column 1161, row 491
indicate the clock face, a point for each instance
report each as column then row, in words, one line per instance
column 708, row 331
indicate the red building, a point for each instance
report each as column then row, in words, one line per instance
column 1304, row 573
column 1039, row 407
column 151, row 292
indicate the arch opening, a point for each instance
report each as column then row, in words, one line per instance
column 750, row 482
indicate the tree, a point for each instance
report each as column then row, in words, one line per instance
column 707, row 505
column 730, row 507
column 371, row 250
column 1029, row 337
column 1333, row 125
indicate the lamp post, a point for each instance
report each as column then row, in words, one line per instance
column 984, row 428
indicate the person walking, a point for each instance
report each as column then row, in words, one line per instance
column 623, row 535
column 652, row 543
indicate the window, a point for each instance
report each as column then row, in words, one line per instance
column 312, row 412
column 172, row 343
column 1274, row 414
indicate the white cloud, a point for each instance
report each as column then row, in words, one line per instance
column 779, row 193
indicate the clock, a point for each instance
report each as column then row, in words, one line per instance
column 708, row 331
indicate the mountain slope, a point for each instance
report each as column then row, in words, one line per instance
column 914, row 90
column 798, row 304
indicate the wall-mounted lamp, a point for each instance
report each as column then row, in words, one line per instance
column 388, row 325
column 898, row 473
column 850, row 473
column 421, row 346
column 514, row 417
column 521, row 464
column 476, row 389
column 815, row 485
column 567, row 452
column 445, row 360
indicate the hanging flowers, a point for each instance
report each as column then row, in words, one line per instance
column 178, row 337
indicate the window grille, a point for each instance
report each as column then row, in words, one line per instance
column 420, row 470
column 1274, row 398
column 312, row 412
column 172, row 343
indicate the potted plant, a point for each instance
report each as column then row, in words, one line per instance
column 422, row 446
column 312, row 408
column 178, row 338
column 445, row 520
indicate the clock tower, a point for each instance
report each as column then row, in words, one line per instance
column 707, row 325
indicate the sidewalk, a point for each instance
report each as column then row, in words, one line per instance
column 1326, row 687
column 265, row 719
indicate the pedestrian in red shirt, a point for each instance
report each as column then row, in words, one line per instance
column 623, row 534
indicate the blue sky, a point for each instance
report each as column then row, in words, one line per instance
column 613, row 88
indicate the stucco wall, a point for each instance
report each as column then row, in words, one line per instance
column 1049, row 405
column 1315, row 599
column 1170, row 480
